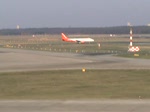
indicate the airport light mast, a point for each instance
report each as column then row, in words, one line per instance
column 131, row 47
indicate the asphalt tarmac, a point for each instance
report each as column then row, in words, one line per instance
column 13, row 60
column 75, row 106
column 28, row 60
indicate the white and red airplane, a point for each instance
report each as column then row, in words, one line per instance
column 76, row 40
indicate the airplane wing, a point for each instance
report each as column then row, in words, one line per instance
column 80, row 42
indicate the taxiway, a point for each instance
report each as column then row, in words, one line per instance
column 28, row 60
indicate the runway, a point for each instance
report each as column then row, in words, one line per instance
column 76, row 106
column 28, row 60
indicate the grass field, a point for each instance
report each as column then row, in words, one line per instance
column 75, row 84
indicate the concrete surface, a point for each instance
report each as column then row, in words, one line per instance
column 25, row 60
column 76, row 106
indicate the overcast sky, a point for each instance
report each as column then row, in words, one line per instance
column 73, row 13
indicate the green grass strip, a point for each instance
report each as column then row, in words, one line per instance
column 75, row 84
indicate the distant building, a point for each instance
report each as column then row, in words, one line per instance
column 18, row 27
column 129, row 24
column 148, row 24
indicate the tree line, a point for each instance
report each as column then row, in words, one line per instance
column 96, row 30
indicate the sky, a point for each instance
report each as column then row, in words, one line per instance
column 73, row 13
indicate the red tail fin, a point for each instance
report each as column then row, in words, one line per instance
column 64, row 37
